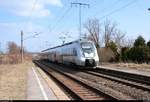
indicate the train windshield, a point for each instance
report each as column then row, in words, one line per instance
column 87, row 47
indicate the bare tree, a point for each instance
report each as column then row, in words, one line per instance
column 119, row 38
column 13, row 53
column 128, row 42
column 109, row 31
column 93, row 28
column 13, row 48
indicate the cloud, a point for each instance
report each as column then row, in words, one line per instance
column 26, row 7
column 52, row 2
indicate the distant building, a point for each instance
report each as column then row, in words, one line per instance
column 106, row 54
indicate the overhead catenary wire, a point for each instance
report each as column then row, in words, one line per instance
column 61, row 17
column 32, row 9
column 105, row 8
column 52, row 28
column 80, row 5
column 114, row 11
column 22, row 38
column 29, row 16
column 119, row 9
column 30, row 13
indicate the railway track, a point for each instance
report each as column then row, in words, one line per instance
column 142, row 84
column 124, row 75
column 76, row 87
column 136, row 90
column 116, row 86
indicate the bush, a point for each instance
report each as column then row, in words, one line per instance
column 139, row 53
column 114, row 48
column 139, row 42
column 136, row 54
column 124, row 53
column 148, row 44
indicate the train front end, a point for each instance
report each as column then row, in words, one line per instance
column 89, row 56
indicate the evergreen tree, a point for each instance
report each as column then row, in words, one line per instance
column 148, row 43
column 138, row 53
column 139, row 42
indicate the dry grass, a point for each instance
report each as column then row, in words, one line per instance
column 128, row 65
column 13, row 81
column 13, row 58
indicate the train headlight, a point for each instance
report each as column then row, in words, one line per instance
column 94, row 54
column 83, row 55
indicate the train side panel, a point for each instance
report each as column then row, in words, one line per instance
column 79, row 53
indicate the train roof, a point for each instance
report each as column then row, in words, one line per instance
column 66, row 44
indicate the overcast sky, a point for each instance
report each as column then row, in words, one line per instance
column 52, row 18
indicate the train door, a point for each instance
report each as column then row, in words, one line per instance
column 74, row 55
column 54, row 58
column 59, row 56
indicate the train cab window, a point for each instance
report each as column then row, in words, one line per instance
column 87, row 47
column 74, row 52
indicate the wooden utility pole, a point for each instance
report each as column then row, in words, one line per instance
column 21, row 46
column 22, row 40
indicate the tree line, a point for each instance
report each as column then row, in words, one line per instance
column 108, row 34
column 139, row 53
column 13, row 54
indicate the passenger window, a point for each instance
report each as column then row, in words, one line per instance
column 74, row 52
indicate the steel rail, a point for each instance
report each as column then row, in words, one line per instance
column 124, row 75
column 80, row 90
